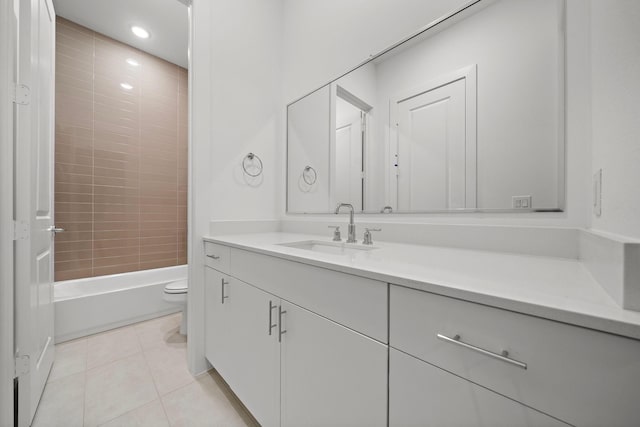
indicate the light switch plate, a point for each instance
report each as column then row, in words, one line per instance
column 597, row 193
column 521, row 202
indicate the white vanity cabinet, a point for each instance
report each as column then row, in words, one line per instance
column 421, row 394
column 291, row 366
column 580, row 376
column 217, row 315
column 331, row 375
column 239, row 343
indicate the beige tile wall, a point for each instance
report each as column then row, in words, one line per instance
column 121, row 157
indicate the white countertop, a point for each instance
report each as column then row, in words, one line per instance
column 553, row 288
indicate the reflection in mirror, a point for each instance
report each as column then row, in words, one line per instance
column 348, row 153
column 466, row 116
column 308, row 139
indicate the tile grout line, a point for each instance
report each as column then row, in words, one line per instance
column 144, row 356
column 125, row 357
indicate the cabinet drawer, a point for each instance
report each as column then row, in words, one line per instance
column 581, row 376
column 421, row 394
column 352, row 301
column 217, row 256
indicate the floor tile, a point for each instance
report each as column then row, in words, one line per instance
column 71, row 358
column 116, row 388
column 150, row 415
column 62, row 403
column 112, row 345
column 168, row 368
column 205, row 403
column 161, row 332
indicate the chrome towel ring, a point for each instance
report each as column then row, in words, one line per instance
column 252, row 162
column 309, row 175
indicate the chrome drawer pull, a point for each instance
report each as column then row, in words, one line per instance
column 271, row 325
column 213, row 256
column 224, row 297
column 504, row 356
column 281, row 331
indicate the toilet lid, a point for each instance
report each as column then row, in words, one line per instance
column 177, row 287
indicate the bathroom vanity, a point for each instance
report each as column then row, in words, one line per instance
column 466, row 116
column 311, row 332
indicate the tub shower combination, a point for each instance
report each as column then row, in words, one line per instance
column 96, row 304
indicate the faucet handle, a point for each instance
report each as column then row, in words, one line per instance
column 367, row 235
column 336, row 233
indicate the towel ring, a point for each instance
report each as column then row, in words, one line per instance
column 309, row 175
column 252, row 165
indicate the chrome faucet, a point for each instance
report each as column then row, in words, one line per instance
column 351, row 237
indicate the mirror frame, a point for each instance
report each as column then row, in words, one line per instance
column 454, row 16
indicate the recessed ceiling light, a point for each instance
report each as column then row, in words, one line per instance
column 140, row 32
column 132, row 62
column 126, row 86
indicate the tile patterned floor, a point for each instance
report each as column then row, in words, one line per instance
column 135, row 376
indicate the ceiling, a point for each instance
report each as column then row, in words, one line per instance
column 166, row 21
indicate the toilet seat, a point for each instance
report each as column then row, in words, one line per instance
column 176, row 293
column 177, row 287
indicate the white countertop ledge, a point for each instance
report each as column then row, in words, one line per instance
column 559, row 289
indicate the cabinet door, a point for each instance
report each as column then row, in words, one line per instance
column 217, row 320
column 421, row 394
column 254, row 371
column 331, row 375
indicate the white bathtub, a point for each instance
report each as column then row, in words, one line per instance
column 87, row 306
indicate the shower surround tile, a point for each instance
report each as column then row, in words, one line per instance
column 121, row 157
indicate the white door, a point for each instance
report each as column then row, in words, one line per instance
column 254, row 372
column 421, row 394
column 331, row 375
column 217, row 319
column 242, row 342
column 431, row 149
column 34, row 204
column 348, row 154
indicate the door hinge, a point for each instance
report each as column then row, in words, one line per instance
column 22, row 365
column 20, row 230
column 21, row 94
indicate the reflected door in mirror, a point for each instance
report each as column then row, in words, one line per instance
column 431, row 149
column 348, row 154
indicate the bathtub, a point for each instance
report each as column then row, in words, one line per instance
column 87, row 306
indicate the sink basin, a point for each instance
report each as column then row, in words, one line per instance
column 335, row 248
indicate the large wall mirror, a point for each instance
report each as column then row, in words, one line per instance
column 468, row 115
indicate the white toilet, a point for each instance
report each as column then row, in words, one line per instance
column 176, row 293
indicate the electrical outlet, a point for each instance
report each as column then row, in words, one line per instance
column 521, row 202
column 597, row 193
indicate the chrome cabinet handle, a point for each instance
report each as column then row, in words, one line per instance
column 224, row 297
column 55, row 229
column 281, row 331
column 502, row 356
column 214, row 256
column 271, row 325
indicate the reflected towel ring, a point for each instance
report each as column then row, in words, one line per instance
column 256, row 167
column 309, row 175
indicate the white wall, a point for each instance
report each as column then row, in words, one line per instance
column 236, row 107
column 247, row 107
column 615, row 68
column 325, row 39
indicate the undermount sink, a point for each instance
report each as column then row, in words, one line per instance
column 335, row 248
